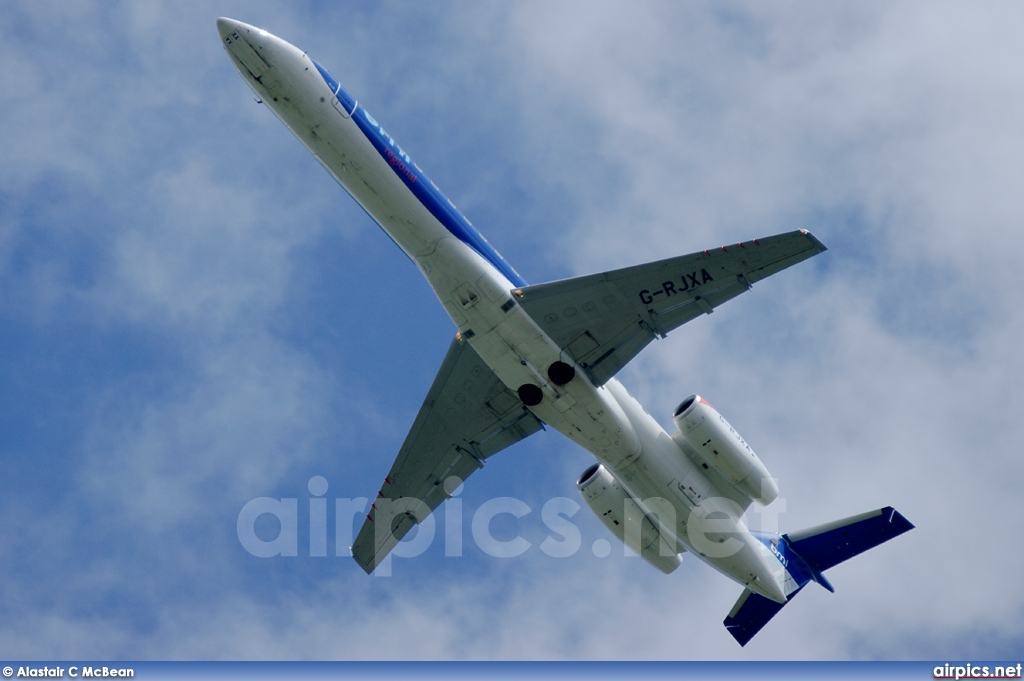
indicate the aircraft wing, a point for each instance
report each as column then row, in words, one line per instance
column 604, row 320
column 467, row 416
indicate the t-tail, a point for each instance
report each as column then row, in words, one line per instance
column 805, row 555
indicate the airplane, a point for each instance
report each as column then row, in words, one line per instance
column 525, row 357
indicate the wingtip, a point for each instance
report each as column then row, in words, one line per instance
column 815, row 240
column 898, row 519
column 368, row 569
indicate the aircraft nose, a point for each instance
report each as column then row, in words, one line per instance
column 226, row 27
column 232, row 31
column 253, row 50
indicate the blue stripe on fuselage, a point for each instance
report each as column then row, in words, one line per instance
column 439, row 205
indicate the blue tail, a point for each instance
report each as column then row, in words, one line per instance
column 806, row 555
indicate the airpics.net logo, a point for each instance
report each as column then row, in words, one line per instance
column 271, row 528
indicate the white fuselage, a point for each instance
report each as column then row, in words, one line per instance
column 475, row 286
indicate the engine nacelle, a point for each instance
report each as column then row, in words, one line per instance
column 623, row 516
column 718, row 445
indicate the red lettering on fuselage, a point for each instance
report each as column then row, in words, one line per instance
column 399, row 165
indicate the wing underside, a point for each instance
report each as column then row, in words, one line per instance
column 467, row 416
column 604, row 320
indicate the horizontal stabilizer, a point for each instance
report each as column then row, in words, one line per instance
column 751, row 612
column 805, row 554
column 828, row 545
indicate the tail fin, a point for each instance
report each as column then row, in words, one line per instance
column 808, row 553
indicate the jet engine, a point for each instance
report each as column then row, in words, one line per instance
column 717, row 445
column 621, row 514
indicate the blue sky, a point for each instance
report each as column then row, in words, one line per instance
column 194, row 315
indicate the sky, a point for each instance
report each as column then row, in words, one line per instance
column 194, row 315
